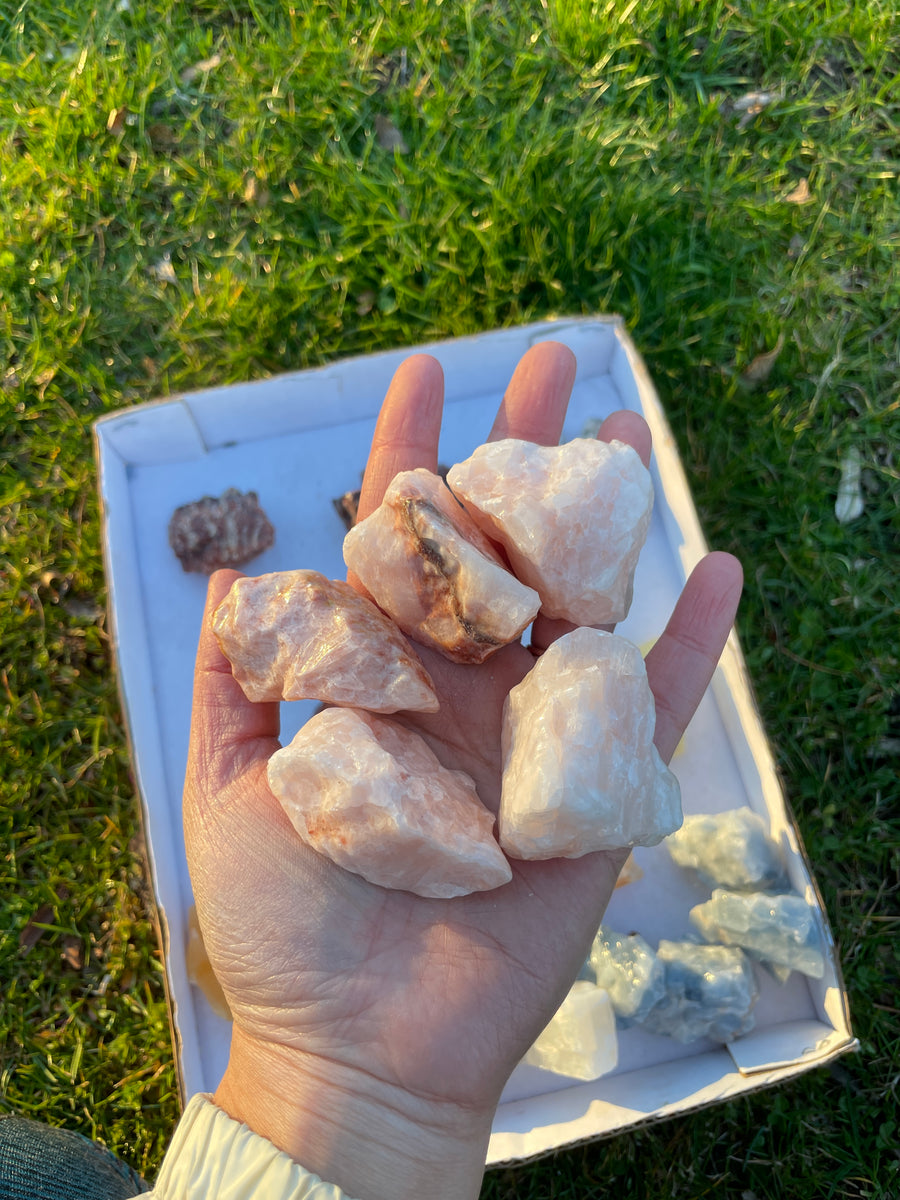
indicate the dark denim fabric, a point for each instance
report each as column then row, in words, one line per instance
column 38, row 1162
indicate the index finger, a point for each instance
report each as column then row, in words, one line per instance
column 408, row 428
column 534, row 405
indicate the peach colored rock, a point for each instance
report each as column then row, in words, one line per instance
column 572, row 519
column 371, row 796
column 580, row 771
column 426, row 563
column 295, row 635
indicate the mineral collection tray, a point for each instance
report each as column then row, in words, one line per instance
column 300, row 440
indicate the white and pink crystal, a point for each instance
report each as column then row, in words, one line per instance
column 425, row 562
column 372, row 796
column 295, row 635
column 572, row 519
column 580, row 771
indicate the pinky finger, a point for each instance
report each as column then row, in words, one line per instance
column 681, row 663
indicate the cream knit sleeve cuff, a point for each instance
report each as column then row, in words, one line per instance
column 213, row 1157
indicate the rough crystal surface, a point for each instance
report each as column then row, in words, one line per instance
column 295, row 635
column 580, row 771
column 779, row 930
column 220, row 531
column 426, row 563
column 580, row 1040
column 572, row 519
column 710, row 992
column 730, row 849
column 371, row 795
column 630, row 971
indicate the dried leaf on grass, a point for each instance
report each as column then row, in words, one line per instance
column 189, row 74
column 163, row 138
column 751, row 104
column 115, row 122
column 34, row 931
column 759, row 370
column 255, row 192
column 365, row 302
column 73, row 951
column 163, row 270
column 849, row 503
column 800, row 195
column 388, row 135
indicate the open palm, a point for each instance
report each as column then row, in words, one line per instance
column 339, row 987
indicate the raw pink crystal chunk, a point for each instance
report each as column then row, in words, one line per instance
column 425, row 562
column 372, row 796
column 295, row 635
column 572, row 519
column 580, row 771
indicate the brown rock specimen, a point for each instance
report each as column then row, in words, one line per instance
column 295, row 635
column 580, row 771
column 426, row 563
column 220, row 531
column 371, row 796
column 572, row 519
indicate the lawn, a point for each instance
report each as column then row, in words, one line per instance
column 207, row 191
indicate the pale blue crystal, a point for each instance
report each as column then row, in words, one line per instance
column 730, row 849
column 626, row 967
column 710, row 992
column 781, row 931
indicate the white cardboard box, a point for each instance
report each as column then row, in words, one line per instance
column 300, row 440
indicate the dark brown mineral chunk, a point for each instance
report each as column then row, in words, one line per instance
column 220, row 531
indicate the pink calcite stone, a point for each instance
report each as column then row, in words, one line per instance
column 295, row 635
column 371, row 796
column 426, row 563
column 580, row 771
column 572, row 519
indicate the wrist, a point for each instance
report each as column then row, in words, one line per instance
column 373, row 1139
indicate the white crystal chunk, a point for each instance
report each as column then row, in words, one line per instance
column 371, row 795
column 730, row 849
column 630, row 971
column 295, row 635
column 426, row 563
column 781, row 930
column 580, row 771
column 572, row 519
column 710, row 992
column 580, row 1040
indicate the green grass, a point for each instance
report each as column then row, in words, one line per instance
column 166, row 227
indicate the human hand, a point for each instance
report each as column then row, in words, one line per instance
column 373, row 1029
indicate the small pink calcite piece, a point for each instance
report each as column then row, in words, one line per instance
column 580, row 771
column 572, row 519
column 370, row 795
column 295, row 635
column 425, row 562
